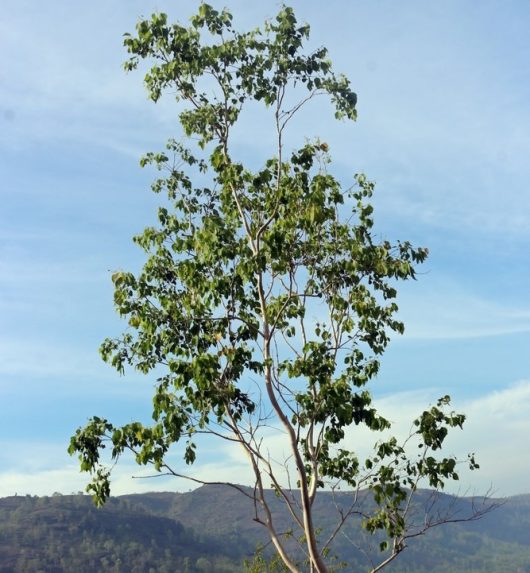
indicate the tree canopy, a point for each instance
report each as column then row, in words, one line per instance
column 266, row 300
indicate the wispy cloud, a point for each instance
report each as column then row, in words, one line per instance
column 448, row 145
column 443, row 309
column 39, row 359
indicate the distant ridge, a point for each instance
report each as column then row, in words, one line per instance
column 210, row 530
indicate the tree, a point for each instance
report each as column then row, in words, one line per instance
column 239, row 266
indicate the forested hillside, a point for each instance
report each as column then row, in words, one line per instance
column 211, row 530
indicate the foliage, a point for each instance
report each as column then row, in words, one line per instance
column 66, row 533
column 266, row 299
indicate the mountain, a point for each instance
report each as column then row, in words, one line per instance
column 211, row 530
column 67, row 533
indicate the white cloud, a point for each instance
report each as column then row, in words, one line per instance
column 496, row 430
column 40, row 468
column 127, row 478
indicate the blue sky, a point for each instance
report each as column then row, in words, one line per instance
column 443, row 129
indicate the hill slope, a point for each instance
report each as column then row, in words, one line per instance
column 210, row 530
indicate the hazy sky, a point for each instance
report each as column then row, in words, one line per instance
column 443, row 129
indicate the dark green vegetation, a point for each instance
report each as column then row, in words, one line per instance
column 210, row 530
column 67, row 533
column 267, row 299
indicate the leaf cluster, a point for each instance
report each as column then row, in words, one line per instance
column 266, row 297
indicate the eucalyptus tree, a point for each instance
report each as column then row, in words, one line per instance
column 266, row 300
